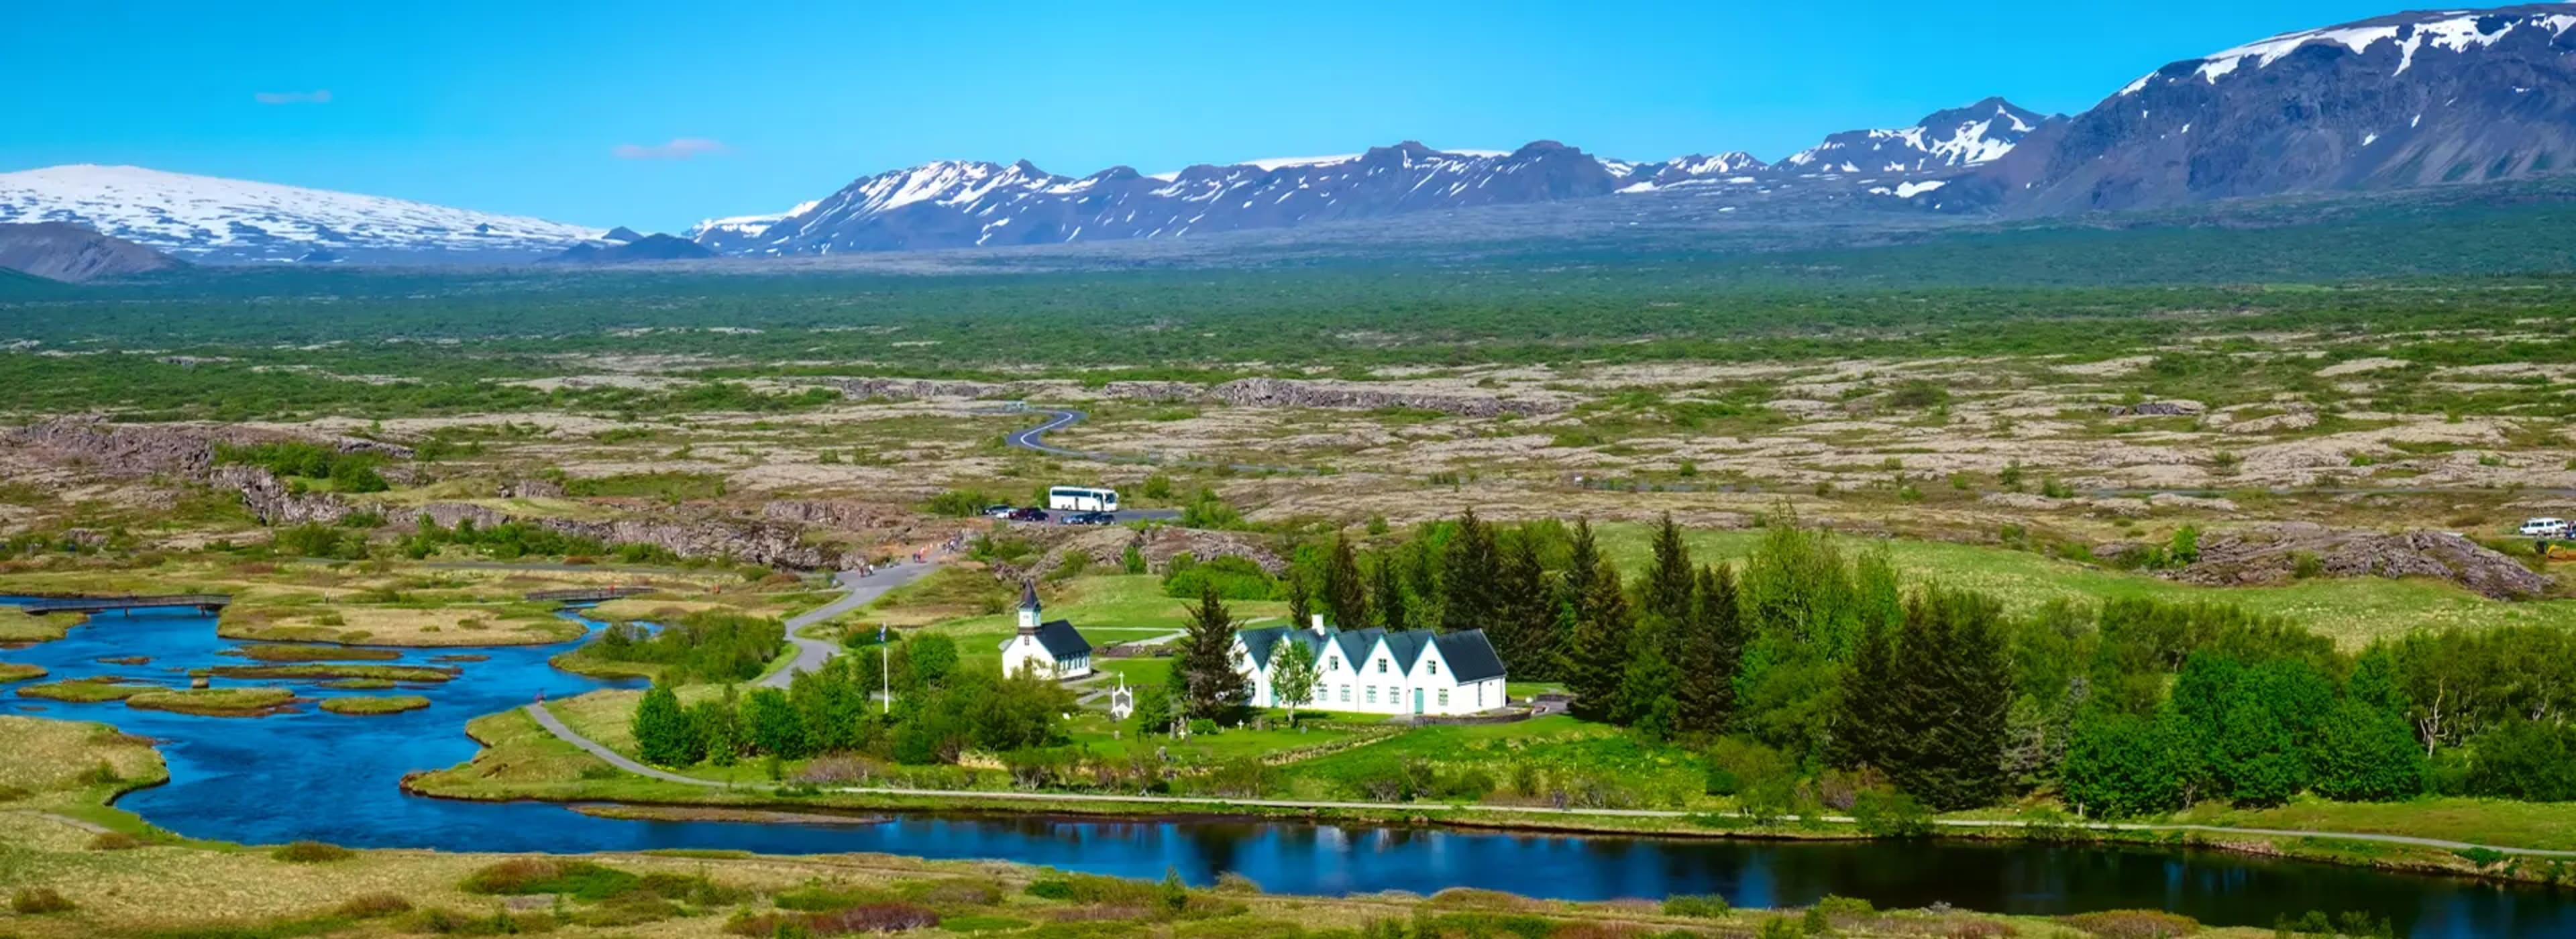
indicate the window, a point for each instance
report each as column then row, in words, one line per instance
column 1435, row 667
column 1332, row 662
column 1346, row 694
column 1372, row 694
column 1444, row 697
column 1381, row 666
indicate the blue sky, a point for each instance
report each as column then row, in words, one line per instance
column 570, row 110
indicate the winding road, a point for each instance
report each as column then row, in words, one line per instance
column 862, row 590
column 1034, row 438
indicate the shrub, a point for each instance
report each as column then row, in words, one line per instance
column 866, row 917
column 100, row 774
column 36, row 901
column 115, row 841
column 1705, row 905
column 982, row 924
column 2132, row 924
column 579, row 879
column 311, row 852
column 1892, row 815
column 1231, row 882
column 372, row 906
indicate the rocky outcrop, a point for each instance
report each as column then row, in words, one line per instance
column 1288, row 393
column 274, row 503
column 772, row 544
column 2177, row 408
column 124, row 450
column 905, row 389
column 532, row 488
column 853, row 516
column 448, row 514
column 1161, row 545
column 2274, row 554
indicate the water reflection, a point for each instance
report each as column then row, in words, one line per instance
column 333, row 778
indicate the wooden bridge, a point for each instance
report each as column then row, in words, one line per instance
column 589, row 594
column 203, row 602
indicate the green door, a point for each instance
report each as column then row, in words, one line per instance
column 1417, row 700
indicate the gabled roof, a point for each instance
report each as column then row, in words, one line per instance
column 1060, row 640
column 1258, row 642
column 1470, row 656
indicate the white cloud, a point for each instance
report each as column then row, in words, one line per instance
column 316, row 96
column 680, row 148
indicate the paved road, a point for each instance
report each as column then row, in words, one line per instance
column 1034, row 438
column 863, row 589
column 548, row 721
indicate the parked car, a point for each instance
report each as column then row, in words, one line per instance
column 1090, row 518
column 1030, row 514
column 998, row 511
column 2544, row 528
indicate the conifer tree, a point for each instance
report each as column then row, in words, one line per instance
column 1597, row 662
column 1387, row 599
column 1649, row 688
column 1212, row 688
column 1525, row 619
column 1668, row 599
column 1710, row 655
column 1952, row 691
column 1345, row 589
column 663, row 733
column 1301, row 599
column 1469, row 570
column 1864, row 727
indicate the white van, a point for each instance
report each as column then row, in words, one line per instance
column 1079, row 499
column 2544, row 528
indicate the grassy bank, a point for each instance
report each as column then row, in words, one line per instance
column 214, row 702
column 80, row 883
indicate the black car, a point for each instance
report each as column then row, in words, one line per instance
column 1030, row 514
column 1090, row 518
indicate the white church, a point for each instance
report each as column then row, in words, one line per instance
column 1373, row 671
column 1048, row 650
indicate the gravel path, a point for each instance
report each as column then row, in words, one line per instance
column 863, row 589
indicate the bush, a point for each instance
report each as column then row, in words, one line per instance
column 581, row 880
column 866, row 917
column 1234, row 578
column 115, row 841
column 2132, row 924
column 37, row 901
column 372, row 906
column 1704, row 905
column 1892, row 815
column 958, row 503
column 311, row 852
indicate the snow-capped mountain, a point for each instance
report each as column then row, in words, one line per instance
column 950, row 204
column 211, row 218
column 1943, row 140
column 2423, row 98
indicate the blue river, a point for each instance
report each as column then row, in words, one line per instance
column 308, row 774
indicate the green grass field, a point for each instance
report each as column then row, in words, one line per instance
column 1107, row 609
column 2352, row 611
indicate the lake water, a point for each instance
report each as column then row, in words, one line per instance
column 311, row 774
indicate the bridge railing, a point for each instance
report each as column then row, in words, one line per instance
column 202, row 601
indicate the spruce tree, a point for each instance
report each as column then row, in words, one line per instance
column 663, row 732
column 1301, row 599
column 1669, row 587
column 1710, row 655
column 1952, row 692
column 1345, row 589
column 1597, row 663
column 1865, row 729
column 1212, row 688
column 1649, row 687
column 1387, row 602
column 1469, row 570
column 1524, row 631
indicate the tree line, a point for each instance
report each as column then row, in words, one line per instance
column 1826, row 660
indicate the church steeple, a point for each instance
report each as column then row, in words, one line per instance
column 1028, row 608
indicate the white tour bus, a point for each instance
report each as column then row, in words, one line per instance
column 1079, row 499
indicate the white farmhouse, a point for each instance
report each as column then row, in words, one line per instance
column 1373, row 671
column 1047, row 650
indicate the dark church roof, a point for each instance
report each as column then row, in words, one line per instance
column 1062, row 641
column 1028, row 595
